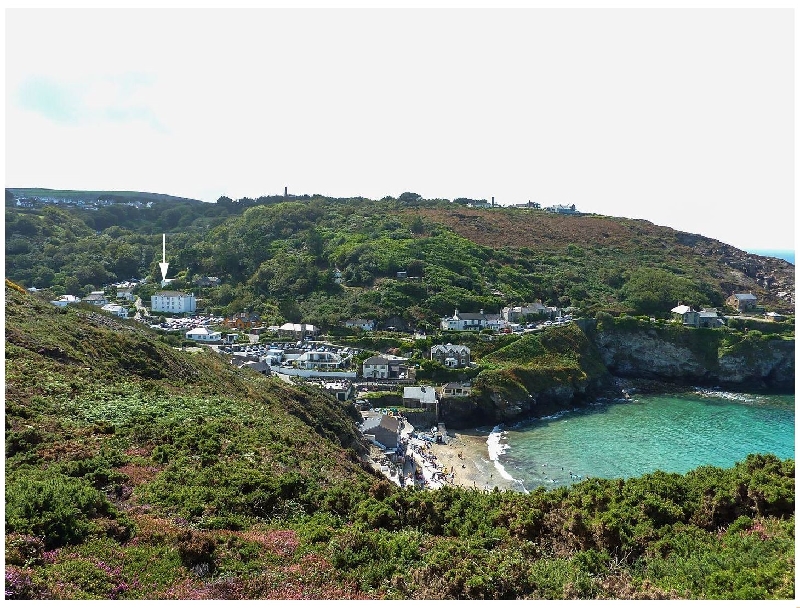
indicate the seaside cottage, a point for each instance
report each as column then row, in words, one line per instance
column 742, row 301
column 64, row 300
column 97, row 298
column 685, row 315
column 202, row 334
column 464, row 321
column 362, row 324
column 242, row 320
column 298, row 330
column 514, row 314
column 116, row 309
column 456, row 389
column 375, row 367
column 451, row 355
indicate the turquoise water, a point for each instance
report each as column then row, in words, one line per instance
column 673, row 433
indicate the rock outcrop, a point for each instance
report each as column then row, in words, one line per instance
column 689, row 358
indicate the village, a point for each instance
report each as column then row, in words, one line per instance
column 409, row 444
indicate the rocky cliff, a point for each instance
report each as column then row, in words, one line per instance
column 699, row 357
column 503, row 407
column 658, row 358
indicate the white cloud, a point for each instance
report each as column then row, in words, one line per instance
column 683, row 117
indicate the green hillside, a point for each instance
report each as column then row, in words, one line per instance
column 322, row 260
column 138, row 471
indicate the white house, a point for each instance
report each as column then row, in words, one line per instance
column 126, row 293
column 64, row 300
column 203, row 334
column 298, row 330
column 319, row 360
column 116, row 309
column 462, row 321
column 376, row 367
column 685, row 314
column 173, row 302
column 456, row 389
column 562, row 209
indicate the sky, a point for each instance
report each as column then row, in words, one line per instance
column 683, row 117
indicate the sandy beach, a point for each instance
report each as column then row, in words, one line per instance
column 462, row 461
column 473, row 469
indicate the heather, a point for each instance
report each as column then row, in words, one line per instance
column 135, row 470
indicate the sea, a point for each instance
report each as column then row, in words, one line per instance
column 783, row 254
column 622, row 439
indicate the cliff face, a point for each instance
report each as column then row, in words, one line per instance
column 501, row 407
column 695, row 357
column 661, row 358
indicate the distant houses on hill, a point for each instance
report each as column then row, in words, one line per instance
column 707, row 317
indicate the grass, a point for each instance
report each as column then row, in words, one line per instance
column 206, row 482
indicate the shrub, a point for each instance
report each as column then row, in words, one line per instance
column 53, row 506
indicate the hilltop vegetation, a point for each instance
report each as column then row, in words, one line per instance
column 322, row 260
column 135, row 470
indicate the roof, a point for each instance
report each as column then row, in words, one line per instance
column 376, row 361
column 471, row 316
column 708, row 314
column 95, row 296
column 423, row 394
column 297, row 327
column 744, row 296
column 446, row 347
column 171, row 294
column 390, row 423
column 201, row 331
column 682, row 309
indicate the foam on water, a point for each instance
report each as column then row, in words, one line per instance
column 496, row 448
column 719, row 394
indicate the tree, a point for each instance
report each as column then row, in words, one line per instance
column 409, row 197
column 655, row 291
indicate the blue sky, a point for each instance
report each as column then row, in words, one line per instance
column 681, row 117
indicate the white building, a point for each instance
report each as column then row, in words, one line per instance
column 64, row 300
column 463, row 321
column 203, row 334
column 376, row 367
column 116, row 309
column 173, row 302
column 320, row 360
